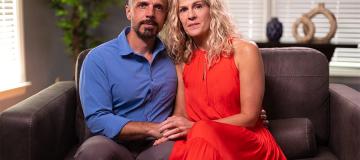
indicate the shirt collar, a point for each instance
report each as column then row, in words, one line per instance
column 125, row 48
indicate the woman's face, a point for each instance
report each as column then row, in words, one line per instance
column 194, row 16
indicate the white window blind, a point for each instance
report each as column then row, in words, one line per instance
column 250, row 17
column 11, row 71
column 347, row 13
column 345, row 62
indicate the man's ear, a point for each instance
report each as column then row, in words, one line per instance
column 128, row 12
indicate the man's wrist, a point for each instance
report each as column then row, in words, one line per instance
column 152, row 129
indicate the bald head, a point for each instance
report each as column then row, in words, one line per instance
column 130, row 2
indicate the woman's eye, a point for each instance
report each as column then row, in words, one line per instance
column 182, row 10
column 198, row 6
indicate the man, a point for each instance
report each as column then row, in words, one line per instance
column 128, row 86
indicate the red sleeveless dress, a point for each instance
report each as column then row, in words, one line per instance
column 216, row 95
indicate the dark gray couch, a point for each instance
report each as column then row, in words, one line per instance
column 309, row 118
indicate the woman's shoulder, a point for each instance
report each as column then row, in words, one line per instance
column 245, row 51
column 180, row 68
column 244, row 46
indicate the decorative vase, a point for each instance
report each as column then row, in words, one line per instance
column 274, row 30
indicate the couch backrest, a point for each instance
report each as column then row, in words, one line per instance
column 297, row 85
column 82, row 131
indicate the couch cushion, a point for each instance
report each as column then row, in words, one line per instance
column 295, row 136
column 297, row 85
column 324, row 153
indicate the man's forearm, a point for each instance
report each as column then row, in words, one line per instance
column 139, row 130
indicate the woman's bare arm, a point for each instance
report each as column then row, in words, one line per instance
column 251, row 72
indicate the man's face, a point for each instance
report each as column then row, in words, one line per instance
column 147, row 16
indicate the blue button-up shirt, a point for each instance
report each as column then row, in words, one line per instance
column 118, row 85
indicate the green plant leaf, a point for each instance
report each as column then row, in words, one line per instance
column 68, row 39
column 78, row 18
column 61, row 12
column 65, row 24
column 82, row 12
column 70, row 2
column 96, row 18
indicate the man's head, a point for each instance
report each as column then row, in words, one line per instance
column 147, row 17
column 127, row 2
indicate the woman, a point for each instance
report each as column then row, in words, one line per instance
column 220, row 86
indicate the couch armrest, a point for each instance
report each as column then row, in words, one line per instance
column 344, row 122
column 40, row 127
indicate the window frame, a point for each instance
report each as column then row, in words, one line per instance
column 19, row 37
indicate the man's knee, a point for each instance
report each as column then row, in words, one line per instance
column 102, row 148
column 158, row 152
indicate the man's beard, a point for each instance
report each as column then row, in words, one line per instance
column 148, row 33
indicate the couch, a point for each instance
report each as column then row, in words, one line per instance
column 309, row 118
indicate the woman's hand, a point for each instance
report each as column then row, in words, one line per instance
column 160, row 140
column 264, row 119
column 175, row 127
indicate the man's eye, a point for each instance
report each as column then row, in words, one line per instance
column 142, row 5
column 159, row 8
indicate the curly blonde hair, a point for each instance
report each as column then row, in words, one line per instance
column 180, row 45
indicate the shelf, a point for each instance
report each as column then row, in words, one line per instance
column 326, row 49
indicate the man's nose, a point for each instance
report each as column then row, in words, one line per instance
column 150, row 12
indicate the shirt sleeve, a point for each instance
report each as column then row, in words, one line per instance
column 96, row 98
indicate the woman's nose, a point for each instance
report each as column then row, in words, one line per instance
column 191, row 14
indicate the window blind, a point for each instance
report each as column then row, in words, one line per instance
column 345, row 61
column 10, row 62
column 347, row 13
column 250, row 17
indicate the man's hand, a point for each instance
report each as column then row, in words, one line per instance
column 153, row 130
column 140, row 130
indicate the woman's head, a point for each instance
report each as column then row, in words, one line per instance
column 190, row 20
column 194, row 16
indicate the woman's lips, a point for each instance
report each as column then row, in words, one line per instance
column 193, row 25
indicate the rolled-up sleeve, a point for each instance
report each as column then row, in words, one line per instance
column 96, row 98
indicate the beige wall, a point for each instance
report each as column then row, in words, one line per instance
column 45, row 57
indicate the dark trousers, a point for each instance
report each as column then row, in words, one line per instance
column 103, row 148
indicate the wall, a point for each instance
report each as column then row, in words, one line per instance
column 45, row 57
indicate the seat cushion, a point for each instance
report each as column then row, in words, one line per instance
column 295, row 136
column 324, row 153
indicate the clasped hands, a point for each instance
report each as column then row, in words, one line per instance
column 176, row 127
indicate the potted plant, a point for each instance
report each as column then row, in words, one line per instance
column 77, row 18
